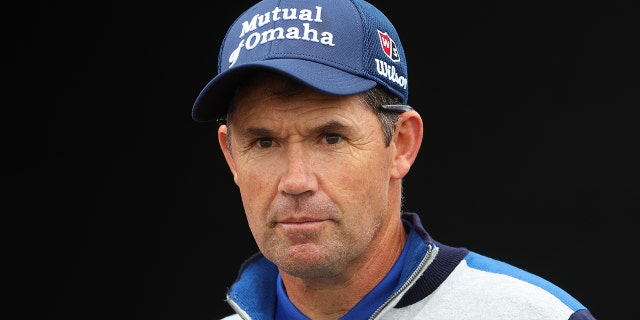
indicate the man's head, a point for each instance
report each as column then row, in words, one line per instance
column 316, row 132
column 340, row 47
column 319, row 180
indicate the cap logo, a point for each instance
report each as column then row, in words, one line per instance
column 304, row 32
column 389, row 46
column 385, row 69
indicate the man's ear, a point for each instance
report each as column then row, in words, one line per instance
column 223, row 137
column 406, row 142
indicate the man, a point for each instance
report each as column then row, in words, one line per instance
column 311, row 97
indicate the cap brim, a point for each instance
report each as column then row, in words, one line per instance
column 213, row 100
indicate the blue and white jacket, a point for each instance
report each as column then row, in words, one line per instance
column 436, row 282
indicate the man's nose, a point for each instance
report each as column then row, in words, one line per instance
column 298, row 176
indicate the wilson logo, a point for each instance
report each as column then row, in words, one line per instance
column 388, row 46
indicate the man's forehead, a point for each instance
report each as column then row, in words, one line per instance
column 276, row 98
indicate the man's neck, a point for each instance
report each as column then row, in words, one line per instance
column 331, row 298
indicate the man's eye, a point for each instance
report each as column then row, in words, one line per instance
column 264, row 143
column 332, row 138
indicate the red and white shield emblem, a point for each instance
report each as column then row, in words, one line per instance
column 388, row 46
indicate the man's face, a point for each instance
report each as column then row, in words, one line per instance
column 313, row 173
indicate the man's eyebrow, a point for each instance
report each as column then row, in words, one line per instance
column 257, row 132
column 328, row 127
column 331, row 127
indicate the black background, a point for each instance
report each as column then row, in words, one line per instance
column 119, row 206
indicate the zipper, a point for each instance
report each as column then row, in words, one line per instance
column 426, row 260
column 243, row 314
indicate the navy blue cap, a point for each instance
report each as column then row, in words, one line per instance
column 340, row 47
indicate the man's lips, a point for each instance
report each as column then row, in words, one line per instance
column 300, row 220
column 301, row 224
